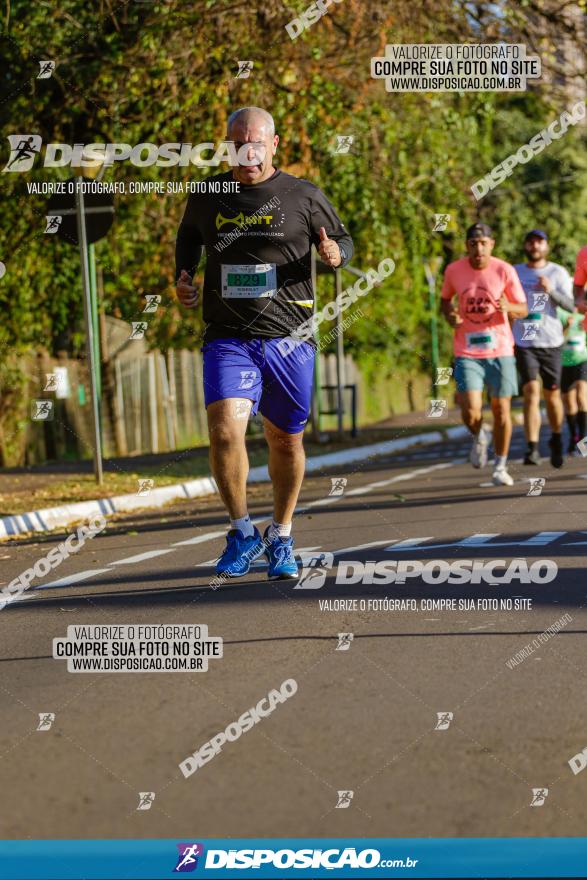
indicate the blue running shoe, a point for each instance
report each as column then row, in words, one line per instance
column 282, row 563
column 239, row 553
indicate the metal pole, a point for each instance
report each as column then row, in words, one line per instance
column 152, row 391
column 339, row 356
column 95, row 325
column 431, row 278
column 90, row 345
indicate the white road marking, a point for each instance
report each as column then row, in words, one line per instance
column 400, row 478
column 322, row 502
column 478, row 539
column 200, row 539
column 141, row 557
column 541, row 539
column 210, row 536
column 408, row 543
column 577, row 543
column 359, row 547
column 73, row 578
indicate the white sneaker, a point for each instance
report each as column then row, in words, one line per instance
column 478, row 455
column 501, row 477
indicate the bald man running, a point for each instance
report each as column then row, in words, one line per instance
column 257, row 290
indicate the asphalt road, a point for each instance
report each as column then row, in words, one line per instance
column 364, row 719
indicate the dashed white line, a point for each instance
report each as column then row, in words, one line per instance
column 141, row 557
column 73, row 578
column 210, row 536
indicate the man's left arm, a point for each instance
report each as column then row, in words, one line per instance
column 328, row 233
column 559, row 289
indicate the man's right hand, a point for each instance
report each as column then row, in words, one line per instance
column 454, row 319
column 187, row 294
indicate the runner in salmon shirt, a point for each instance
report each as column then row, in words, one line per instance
column 489, row 296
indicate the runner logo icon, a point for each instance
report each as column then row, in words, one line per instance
column 344, row 641
column 244, row 69
column 53, row 223
column 41, row 410
column 344, row 143
column 344, row 799
column 441, row 221
column 138, row 329
column 436, row 408
column 314, row 571
column 247, row 378
column 540, row 300
column 24, row 149
column 189, row 853
column 537, row 484
column 46, row 69
column 443, row 375
column 46, row 719
column 153, row 301
column 539, row 795
column 444, row 719
column 146, row 799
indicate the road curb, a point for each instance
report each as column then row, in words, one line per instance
column 57, row 517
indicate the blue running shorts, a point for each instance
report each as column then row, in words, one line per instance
column 499, row 373
column 277, row 379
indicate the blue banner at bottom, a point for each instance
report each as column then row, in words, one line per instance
column 293, row 857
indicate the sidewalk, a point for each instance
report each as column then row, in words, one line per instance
column 53, row 495
column 42, row 482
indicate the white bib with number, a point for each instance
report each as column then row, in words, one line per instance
column 482, row 340
column 249, row 281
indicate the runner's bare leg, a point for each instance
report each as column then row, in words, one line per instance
column 229, row 462
column 554, row 409
column 287, row 461
column 472, row 409
column 532, row 410
column 502, row 424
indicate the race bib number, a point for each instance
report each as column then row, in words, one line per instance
column 575, row 343
column 483, row 340
column 249, row 281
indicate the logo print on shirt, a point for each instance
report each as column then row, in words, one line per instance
column 241, row 220
column 479, row 305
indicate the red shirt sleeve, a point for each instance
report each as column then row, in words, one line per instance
column 581, row 268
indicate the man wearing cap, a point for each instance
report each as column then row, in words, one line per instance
column 539, row 339
column 489, row 295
